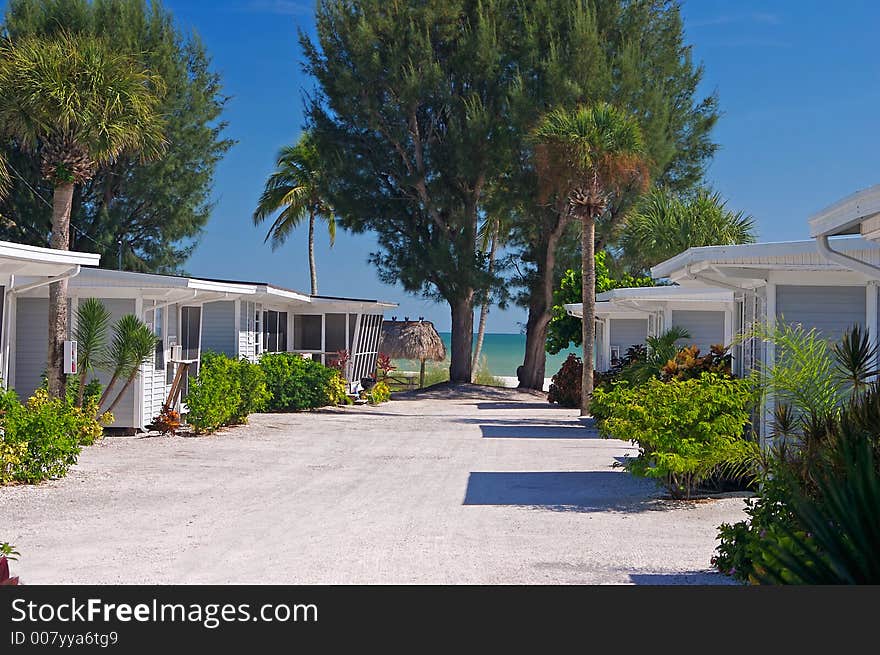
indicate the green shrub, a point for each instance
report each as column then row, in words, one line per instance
column 225, row 392
column 688, row 432
column 297, row 384
column 253, row 393
column 379, row 393
column 42, row 438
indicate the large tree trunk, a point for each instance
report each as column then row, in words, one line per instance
column 462, row 338
column 533, row 370
column 588, row 327
column 484, row 308
column 58, row 319
column 313, row 269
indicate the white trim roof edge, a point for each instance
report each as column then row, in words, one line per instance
column 846, row 213
column 769, row 248
column 12, row 250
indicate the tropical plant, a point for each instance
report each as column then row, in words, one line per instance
column 589, row 156
column 77, row 103
column 687, row 363
column 168, row 421
column 384, row 366
column 295, row 191
column 856, row 359
column 802, row 374
column 133, row 345
column 660, row 350
column 149, row 213
column 493, row 234
column 92, row 321
column 689, row 433
column 665, row 223
column 837, row 529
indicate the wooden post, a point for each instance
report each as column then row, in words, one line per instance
column 422, row 375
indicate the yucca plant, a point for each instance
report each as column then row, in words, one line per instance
column 133, row 345
column 838, row 533
column 856, row 359
column 92, row 321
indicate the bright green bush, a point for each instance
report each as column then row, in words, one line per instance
column 378, row 394
column 253, row 393
column 224, row 392
column 41, row 439
column 297, row 384
column 687, row 431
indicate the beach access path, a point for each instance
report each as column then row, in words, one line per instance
column 449, row 485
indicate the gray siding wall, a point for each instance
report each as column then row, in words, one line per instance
column 31, row 344
column 218, row 328
column 831, row 310
column 626, row 332
column 706, row 328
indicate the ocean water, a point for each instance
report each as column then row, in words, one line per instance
column 503, row 353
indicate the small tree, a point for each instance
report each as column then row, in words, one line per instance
column 589, row 155
column 132, row 346
column 92, row 321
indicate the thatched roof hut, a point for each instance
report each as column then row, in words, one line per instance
column 412, row 340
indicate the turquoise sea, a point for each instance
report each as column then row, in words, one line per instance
column 503, row 354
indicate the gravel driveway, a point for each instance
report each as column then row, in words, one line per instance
column 473, row 485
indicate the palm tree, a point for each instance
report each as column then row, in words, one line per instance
column 492, row 236
column 589, row 155
column 133, row 345
column 92, row 321
column 79, row 104
column 295, row 189
column 664, row 225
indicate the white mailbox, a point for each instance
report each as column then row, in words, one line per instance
column 70, row 358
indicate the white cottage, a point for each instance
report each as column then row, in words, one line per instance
column 190, row 316
column 626, row 317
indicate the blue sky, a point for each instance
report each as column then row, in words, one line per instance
column 798, row 86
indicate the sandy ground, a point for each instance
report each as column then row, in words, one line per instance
column 476, row 486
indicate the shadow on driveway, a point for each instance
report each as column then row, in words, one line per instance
column 537, row 432
column 564, row 491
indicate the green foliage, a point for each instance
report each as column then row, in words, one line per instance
column 157, row 207
column 665, row 223
column 688, row 432
column 815, row 518
column 297, row 384
column 92, row 323
column 225, row 392
column 75, row 96
column 660, row 350
column 8, row 551
column 565, row 386
column 564, row 330
column 803, row 373
column 133, row 345
column 379, row 393
column 41, row 439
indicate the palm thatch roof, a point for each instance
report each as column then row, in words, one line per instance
column 411, row 340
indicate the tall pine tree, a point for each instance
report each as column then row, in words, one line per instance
column 412, row 114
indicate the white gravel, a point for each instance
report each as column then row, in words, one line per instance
column 450, row 486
